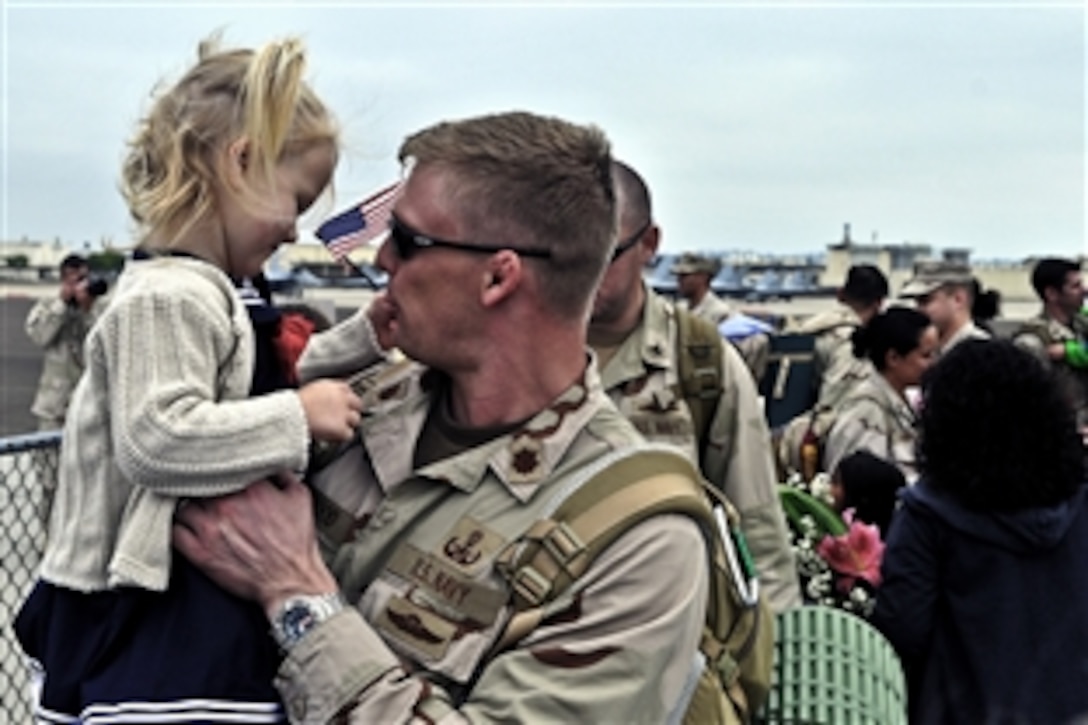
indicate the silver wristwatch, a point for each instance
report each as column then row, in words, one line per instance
column 298, row 615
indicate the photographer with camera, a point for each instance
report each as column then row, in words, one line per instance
column 59, row 324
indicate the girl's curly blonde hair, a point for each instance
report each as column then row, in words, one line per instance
column 174, row 155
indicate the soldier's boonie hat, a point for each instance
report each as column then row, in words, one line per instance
column 690, row 263
column 931, row 276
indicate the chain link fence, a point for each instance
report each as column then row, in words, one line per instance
column 27, row 464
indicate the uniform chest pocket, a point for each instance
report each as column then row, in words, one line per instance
column 429, row 609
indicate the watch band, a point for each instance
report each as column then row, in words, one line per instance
column 300, row 614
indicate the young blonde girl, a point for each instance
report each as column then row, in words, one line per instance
column 215, row 178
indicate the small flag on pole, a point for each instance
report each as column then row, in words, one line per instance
column 358, row 225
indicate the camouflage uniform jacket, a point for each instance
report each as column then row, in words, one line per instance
column 1036, row 334
column 875, row 418
column 643, row 381
column 970, row 331
column 59, row 328
column 836, row 368
column 712, row 307
column 414, row 551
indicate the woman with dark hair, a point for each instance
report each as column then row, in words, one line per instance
column 984, row 594
column 876, row 416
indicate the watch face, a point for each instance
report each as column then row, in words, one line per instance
column 301, row 614
column 297, row 620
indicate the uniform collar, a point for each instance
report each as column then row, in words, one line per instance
column 712, row 306
column 1077, row 327
column 968, row 331
column 521, row 459
column 895, row 400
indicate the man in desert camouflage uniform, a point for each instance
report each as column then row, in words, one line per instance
column 457, row 455
column 693, row 274
column 1058, row 336
column 944, row 291
column 634, row 332
column 836, row 370
column 59, row 325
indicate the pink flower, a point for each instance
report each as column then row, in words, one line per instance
column 855, row 554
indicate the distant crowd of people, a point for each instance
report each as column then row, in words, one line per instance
column 264, row 518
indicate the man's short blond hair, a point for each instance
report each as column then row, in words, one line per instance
column 532, row 182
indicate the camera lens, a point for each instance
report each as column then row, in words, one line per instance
column 96, row 286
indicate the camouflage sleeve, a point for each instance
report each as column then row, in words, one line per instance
column 619, row 646
column 342, row 350
column 46, row 321
column 859, row 426
column 739, row 460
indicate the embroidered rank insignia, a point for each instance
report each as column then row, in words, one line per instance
column 525, row 459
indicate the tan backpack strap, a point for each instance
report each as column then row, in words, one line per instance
column 558, row 549
column 621, row 493
column 699, row 368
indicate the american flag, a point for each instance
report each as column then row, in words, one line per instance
column 358, row 225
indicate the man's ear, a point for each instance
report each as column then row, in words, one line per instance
column 501, row 277
column 649, row 244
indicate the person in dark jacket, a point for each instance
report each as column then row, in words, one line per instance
column 984, row 594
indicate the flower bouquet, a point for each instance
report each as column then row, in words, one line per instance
column 838, row 557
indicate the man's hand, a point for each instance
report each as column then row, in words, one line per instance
column 258, row 543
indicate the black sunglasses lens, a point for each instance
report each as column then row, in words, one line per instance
column 402, row 239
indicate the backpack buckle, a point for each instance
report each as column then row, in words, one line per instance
column 530, row 585
column 706, row 382
column 563, row 545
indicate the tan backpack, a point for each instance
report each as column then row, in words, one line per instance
column 621, row 491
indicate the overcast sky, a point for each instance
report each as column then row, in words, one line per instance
column 763, row 127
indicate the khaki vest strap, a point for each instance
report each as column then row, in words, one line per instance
column 698, row 366
column 519, row 626
column 563, row 553
column 558, row 549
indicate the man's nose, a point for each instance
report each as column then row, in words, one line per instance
column 386, row 258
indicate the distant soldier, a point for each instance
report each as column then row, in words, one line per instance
column 693, row 274
column 58, row 324
column 1059, row 334
column 837, row 370
column 945, row 292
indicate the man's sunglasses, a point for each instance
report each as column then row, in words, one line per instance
column 630, row 241
column 408, row 242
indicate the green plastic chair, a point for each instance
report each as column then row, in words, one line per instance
column 833, row 668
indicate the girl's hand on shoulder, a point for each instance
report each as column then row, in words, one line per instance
column 332, row 409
